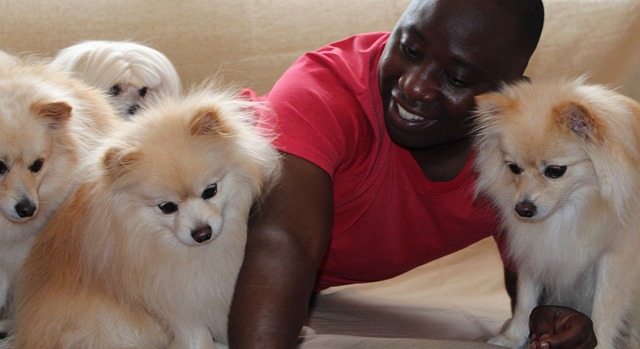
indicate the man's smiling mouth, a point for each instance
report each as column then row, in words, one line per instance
column 409, row 116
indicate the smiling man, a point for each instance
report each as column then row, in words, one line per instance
column 378, row 178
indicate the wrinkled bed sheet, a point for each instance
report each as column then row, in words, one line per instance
column 460, row 297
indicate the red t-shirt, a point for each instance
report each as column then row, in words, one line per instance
column 388, row 218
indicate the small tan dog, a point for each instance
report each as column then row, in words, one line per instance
column 132, row 74
column 49, row 122
column 561, row 161
column 146, row 252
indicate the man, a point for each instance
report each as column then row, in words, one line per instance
column 377, row 179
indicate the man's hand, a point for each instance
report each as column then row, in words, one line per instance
column 555, row 327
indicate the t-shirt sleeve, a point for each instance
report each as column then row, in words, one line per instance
column 311, row 107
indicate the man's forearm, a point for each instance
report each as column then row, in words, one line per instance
column 272, row 295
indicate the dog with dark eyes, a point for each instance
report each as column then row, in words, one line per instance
column 146, row 251
column 561, row 161
column 130, row 73
column 49, row 124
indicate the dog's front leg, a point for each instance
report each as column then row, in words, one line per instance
column 193, row 337
column 613, row 296
column 517, row 334
column 5, row 322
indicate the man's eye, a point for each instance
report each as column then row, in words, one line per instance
column 410, row 52
column 457, row 82
column 555, row 171
column 114, row 90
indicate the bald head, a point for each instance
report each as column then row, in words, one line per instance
column 516, row 22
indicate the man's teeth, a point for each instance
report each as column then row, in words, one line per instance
column 409, row 116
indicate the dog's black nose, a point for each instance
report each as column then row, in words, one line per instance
column 25, row 208
column 202, row 234
column 526, row 209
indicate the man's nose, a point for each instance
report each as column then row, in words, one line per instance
column 421, row 84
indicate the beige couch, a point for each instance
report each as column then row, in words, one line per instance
column 252, row 42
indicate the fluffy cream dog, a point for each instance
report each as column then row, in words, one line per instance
column 131, row 73
column 146, row 252
column 49, row 122
column 561, row 161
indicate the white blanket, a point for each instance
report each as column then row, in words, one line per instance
column 458, row 297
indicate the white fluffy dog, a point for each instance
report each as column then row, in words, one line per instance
column 49, row 124
column 146, row 252
column 561, row 161
column 131, row 73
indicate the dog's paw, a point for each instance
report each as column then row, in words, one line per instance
column 507, row 341
column 216, row 345
column 307, row 331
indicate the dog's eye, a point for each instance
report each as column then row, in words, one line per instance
column 555, row 171
column 142, row 92
column 168, row 207
column 114, row 90
column 36, row 166
column 514, row 168
column 210, row 192
column 3, row 168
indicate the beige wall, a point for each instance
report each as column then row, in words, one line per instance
column 251, row 42
column 248, row 41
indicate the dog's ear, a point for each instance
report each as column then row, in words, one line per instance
column 493, row 104
column 208, row 121
column 118, row 161
column 491, row 108
column 577, row 118
column 57, row 112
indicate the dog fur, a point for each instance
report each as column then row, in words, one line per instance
column 146, row 252
column 132, row 74
column 561, row 161
column 49, row 123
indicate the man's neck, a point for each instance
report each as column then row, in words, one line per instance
column 444, row 162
